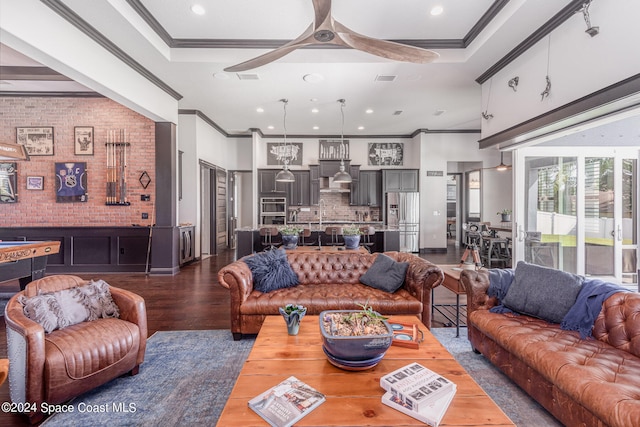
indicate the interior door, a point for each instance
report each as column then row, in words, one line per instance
column 580, row 210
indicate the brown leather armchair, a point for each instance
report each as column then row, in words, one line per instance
column 65, row 363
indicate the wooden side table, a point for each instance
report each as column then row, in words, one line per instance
column 453, row 283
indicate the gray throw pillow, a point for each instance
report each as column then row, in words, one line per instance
column 271, row 270
column 542, row 292
column 57, row 310
column 385, row 274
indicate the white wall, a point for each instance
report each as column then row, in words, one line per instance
column 435, row 151
column 578, row 65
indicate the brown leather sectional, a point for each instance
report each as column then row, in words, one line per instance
column 581, row 382
column 329, row 281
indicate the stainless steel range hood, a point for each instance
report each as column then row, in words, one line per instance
column 327, row 185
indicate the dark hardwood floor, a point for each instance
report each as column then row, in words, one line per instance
column 190, row 300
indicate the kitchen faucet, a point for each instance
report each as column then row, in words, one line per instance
column 321, row 203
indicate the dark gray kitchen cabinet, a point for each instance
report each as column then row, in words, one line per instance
column 314, row 184
column 370, row 188
column 298, row 193
column 400, row 180
column 267, row 183
column 328, row 168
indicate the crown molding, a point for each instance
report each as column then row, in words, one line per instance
column 74, row 19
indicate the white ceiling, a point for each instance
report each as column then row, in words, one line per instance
column 419, row 90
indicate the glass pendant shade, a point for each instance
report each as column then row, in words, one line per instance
column 342, row 176
column 285, row 175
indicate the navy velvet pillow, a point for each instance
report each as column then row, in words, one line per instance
column 385, row 274
column 542, row 292
column 271, row 270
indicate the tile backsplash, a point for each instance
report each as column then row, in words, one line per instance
column 336, row 208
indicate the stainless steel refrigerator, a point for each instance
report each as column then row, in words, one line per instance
column 403, row 213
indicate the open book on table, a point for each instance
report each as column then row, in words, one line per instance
column 284, row 404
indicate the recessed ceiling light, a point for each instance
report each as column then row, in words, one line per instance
column 360, row 127
column 270, row 127
column 437, row 10
column 316, row 127
column 260, row 110
column 369, row 111
column 198, row 9
column 314, row 110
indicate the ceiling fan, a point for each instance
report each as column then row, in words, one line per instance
column 326, row 30
column 501, row 167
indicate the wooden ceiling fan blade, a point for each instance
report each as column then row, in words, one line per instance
column 304, row 39
column 385, row 48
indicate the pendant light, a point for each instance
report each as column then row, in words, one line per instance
column 342, row 176
column 502, row 167
column 285, row 175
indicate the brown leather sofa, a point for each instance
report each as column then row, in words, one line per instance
column 581, row 382
column 329, row 281
column 55, row 367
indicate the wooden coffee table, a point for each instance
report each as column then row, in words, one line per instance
column 353, row 398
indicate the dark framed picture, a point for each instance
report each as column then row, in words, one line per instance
column 333, row 149
column 386, row 153
column 35, row 182
column 71, row 182
column 83, row 140
column 37, row 140
column 8, row 181
column 277, row 153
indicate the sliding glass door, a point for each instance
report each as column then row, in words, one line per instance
column 577, row 210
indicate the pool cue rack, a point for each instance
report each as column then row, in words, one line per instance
column 117, row 148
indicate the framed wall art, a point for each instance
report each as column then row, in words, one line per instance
column 276, row 153
column 332, row 149
column 386, row 153
column 71, row 182
column 83, row 140
column 37, row 140
column 35, row 182
column 8, row 178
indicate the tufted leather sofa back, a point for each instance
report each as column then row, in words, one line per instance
column 618, row 324
column 317, row 268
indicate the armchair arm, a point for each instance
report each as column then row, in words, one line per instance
column 132, row 309
column 25, row 348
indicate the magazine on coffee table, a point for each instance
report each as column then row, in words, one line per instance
column 430, row 414
column 415, row 385
column 286, row 403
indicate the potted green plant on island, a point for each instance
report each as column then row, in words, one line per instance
column 290, row 235
column 351, row 236
column 506, row 215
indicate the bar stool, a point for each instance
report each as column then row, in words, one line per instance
column 335, row 233
column 365, row 238
column 306, row 233
column 269, row 240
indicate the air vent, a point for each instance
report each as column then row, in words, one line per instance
column 383, row 78
column 397, row 112
column 248, row 76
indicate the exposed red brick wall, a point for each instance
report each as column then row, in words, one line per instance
column 39, row 208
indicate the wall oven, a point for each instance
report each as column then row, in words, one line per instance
column 273, row 210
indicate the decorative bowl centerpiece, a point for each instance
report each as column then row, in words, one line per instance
column 355, row 339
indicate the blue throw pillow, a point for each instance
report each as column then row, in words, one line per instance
column 385, row 274
column 271, row 270
column 542, row 292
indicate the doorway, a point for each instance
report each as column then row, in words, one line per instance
column 580, row 210
column 213, row 196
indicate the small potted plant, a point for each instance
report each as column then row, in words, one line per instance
column 292, row 315
column 351, row 236
column 506, row 215
column 290, row 235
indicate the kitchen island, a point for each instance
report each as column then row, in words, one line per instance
column 248, row 240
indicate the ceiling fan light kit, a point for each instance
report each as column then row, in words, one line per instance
column 326, row 30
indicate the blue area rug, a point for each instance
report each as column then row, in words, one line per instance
column 187, row 376
column 185, row 380
column 523, row 410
